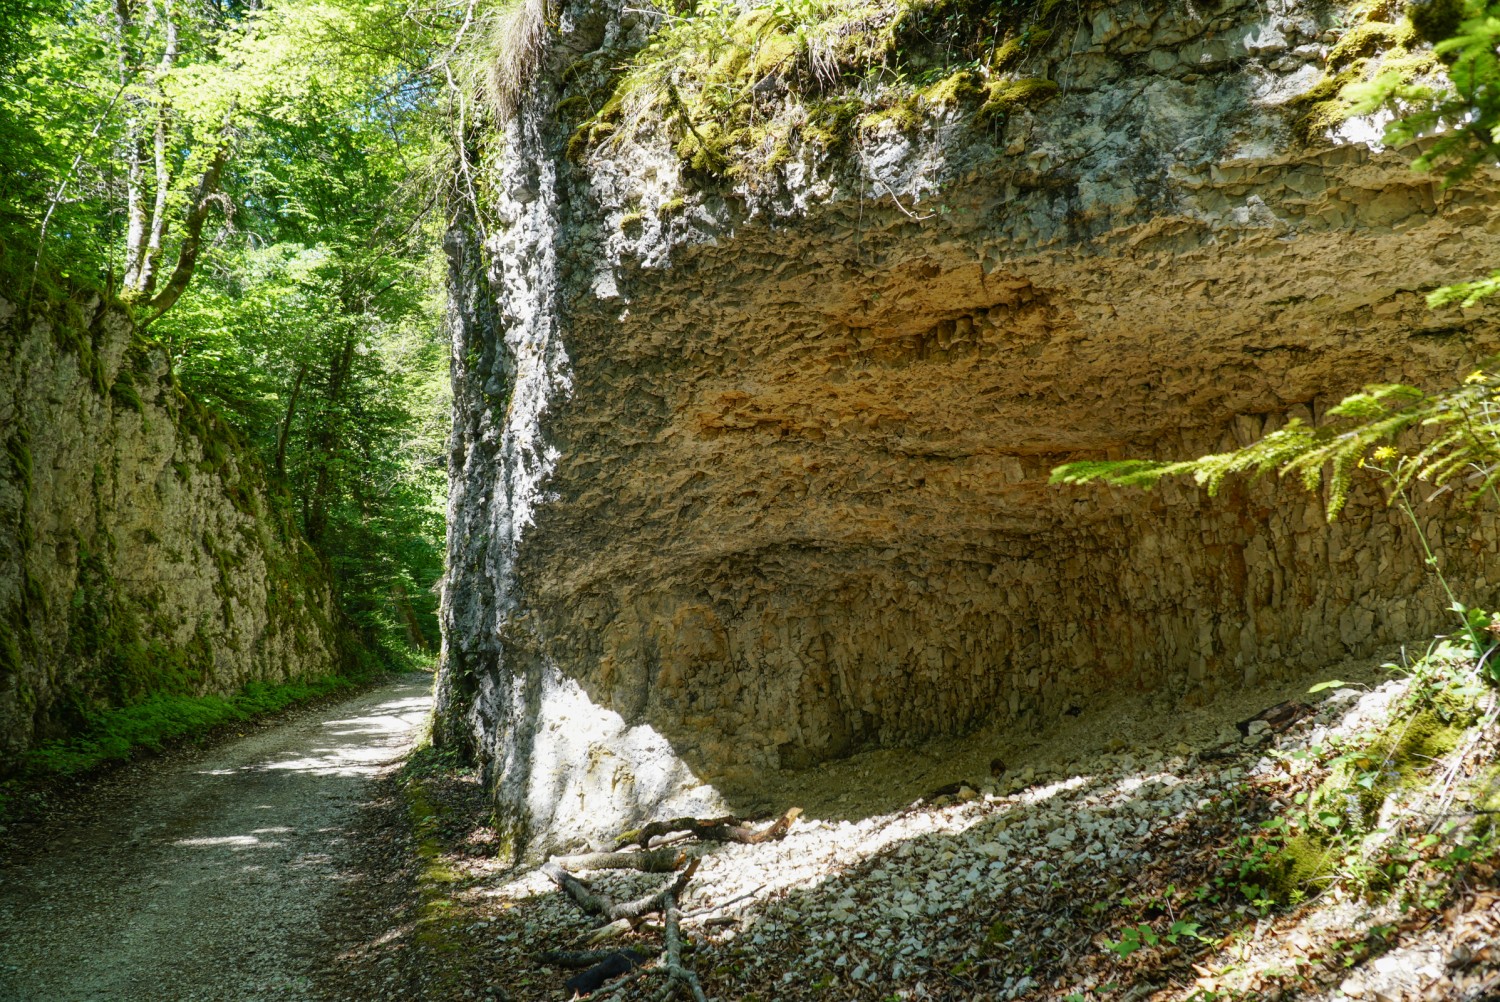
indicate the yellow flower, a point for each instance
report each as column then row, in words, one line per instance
column 1477, row 376
column 1383, row 453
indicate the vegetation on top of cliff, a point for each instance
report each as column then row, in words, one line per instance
column 742, row 88
column 1461, row 112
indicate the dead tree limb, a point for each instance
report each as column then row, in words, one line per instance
column 605, row 933
column 613, row 965
column 678, row 976
column 596, row 904
column 728, row 829
column 655, row 861
column 580, row 959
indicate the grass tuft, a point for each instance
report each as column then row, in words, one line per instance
column 117, row 735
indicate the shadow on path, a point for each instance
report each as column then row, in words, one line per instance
column 205, row 882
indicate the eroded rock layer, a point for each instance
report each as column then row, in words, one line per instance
column 139, row 552
column 752, row 475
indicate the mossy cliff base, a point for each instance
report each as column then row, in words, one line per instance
column 140, row 556
column 750, row 468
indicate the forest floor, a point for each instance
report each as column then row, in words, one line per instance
column 207, row 876
column 1135, row 849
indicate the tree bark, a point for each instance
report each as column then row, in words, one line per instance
column 135, row 152
column 286, row 422
column 163, row 179
column 326, row 443
column 656, row 861
column 596, row 904
column 204, row 199
column 711, row 830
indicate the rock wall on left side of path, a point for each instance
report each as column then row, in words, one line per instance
column 140, row 551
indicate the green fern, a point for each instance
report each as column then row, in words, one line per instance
column 1462, row 427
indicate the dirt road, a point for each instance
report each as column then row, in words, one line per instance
column 205, row 882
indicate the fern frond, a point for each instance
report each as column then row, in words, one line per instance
column 1461, row 425
column 1120, row 472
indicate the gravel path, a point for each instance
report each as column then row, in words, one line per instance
column 206, row 880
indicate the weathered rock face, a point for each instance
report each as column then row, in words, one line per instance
column 139, row 553
column 759, row 478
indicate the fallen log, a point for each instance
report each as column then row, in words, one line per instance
column 677, row 974
column 728, row 829
column 616, row 963
column 655, row 861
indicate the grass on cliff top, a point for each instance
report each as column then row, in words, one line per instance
column 720, row 76
column 153, row 724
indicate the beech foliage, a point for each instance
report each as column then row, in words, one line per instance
column 259, row 183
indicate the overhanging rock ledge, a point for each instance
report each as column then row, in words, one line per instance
column 750, row 474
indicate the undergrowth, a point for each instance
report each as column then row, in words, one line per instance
column 1364, row 821
column 1394, row 821
column 116, row 735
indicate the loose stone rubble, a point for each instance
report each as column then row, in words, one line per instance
column 1020, row 891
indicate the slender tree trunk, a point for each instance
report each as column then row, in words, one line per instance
column 328, row 439
column 405, row 611
column 135, row 153
column 204, row 199
column 152, row 256
column 286, row 422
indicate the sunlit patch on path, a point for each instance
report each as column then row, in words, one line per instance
column 206, row 882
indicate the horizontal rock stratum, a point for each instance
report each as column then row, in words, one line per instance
column 750, row 467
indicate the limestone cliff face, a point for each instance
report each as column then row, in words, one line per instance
column 752, row 474
column 139, row 552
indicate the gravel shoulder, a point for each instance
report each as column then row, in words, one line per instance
column 206, row 879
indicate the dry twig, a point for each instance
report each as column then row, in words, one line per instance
column 596, row 904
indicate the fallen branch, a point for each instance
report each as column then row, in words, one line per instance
column 677, row 975
column 597, row 904
column 628, row 980
column 710, row 909
column 613, row 965
column 656, row 861
column 580, row 959
column 729, row 829
column 608, row 932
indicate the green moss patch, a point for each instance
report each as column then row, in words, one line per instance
column 1371, row 44
column 720, row 77
column 158, row 721
column 1345, row 806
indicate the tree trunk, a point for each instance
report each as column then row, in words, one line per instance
column 328, row 440
column 401, row 602
column 135, row 152
column 152, row 256
column 192, row 232
column 286, row 422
